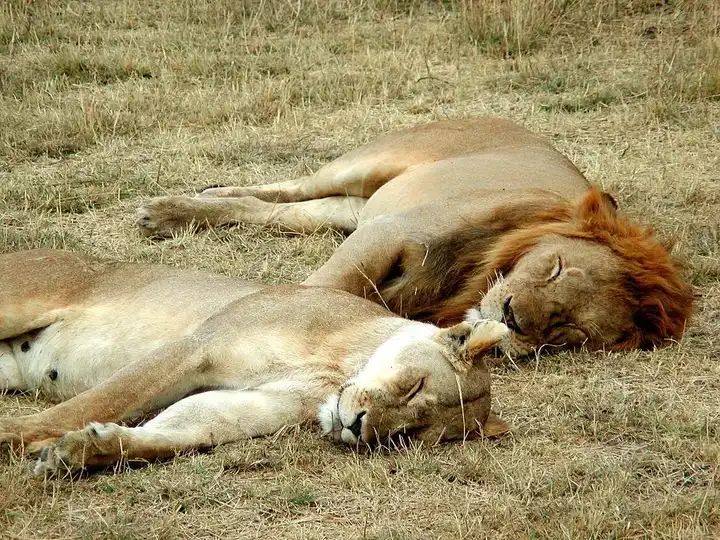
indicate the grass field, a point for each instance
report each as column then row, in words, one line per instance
column 105, row 103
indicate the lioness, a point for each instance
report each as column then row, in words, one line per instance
column 232, row 360
column 469, row 213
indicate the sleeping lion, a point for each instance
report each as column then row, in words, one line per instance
column 469, row 214
column 228, row 359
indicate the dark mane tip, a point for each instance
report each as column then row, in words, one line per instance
column 660, row 299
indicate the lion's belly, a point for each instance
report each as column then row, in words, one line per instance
column 540, row 168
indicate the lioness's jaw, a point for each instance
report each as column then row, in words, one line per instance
column 330, row 419
column 10, row 374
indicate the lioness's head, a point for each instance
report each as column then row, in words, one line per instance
column 594, row 279
column 425, row 382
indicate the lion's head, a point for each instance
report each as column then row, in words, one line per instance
column 557, row 273
column 594, row 279
column 424, row 382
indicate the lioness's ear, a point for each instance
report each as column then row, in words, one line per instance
column 495, row 426
column 465, row 342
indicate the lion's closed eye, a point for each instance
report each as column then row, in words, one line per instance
column 557, row 269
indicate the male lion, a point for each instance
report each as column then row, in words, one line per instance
column 231, row 360
column 464, row 214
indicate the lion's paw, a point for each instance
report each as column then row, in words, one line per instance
column 220, row 191
column 93, row 445
column 162, row 216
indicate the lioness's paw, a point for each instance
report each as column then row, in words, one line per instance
column 162, row 216
column 489, row 330
column 329, row 418
column 93, row 445
column 52, row 462
column 7, row 439
column 15, row 431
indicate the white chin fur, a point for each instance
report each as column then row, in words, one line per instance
column 329, row 419
column 473, row 316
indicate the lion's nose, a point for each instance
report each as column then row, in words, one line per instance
column 509, row 316
column 507, row 310
column 356, row 427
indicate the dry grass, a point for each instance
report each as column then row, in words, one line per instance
column 105, row 103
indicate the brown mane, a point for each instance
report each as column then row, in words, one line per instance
column 452, row 276
column 439, row 280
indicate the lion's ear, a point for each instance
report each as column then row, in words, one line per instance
column 466, row 342
column 597, row 206
column 495, row 426
column 610, row 201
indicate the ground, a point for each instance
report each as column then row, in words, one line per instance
column 105, row 103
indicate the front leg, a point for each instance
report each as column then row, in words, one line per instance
column 163, row 216
column 364, row 260
column 199, row 421
column 139, row 387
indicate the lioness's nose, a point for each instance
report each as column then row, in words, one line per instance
column 356, row 427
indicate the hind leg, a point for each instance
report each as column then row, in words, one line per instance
column 279, row 192
column 198, row 421
column 163, row 216
column 356, row 174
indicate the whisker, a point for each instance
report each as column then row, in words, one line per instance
column 462, row 406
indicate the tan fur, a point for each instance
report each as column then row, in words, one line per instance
column 230, row 359
column 429, row 209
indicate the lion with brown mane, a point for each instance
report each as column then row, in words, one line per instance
column 475, row 216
